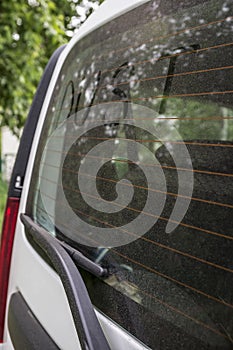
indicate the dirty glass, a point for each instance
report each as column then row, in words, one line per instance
column 171, row 286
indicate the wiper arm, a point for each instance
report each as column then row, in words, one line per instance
column 88, row 329
column 84, row 262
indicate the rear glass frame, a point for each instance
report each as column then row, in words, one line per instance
column 120, row 298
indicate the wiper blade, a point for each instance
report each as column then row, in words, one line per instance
column 88, row 328
column 84, row 262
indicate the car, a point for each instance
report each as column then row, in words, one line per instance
column 118, row 225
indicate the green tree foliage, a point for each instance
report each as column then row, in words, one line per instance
column 30, row 32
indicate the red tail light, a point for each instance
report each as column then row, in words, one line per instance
column 8, row 232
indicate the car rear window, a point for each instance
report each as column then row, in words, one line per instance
column 135, row 169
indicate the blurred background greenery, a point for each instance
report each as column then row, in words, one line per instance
column 31, row 30
column 3, row 194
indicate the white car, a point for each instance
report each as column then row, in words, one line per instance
column 118, row 225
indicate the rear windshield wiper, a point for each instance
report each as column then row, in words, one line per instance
column 84, row 262
column 89, row 331
column 79, row 259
